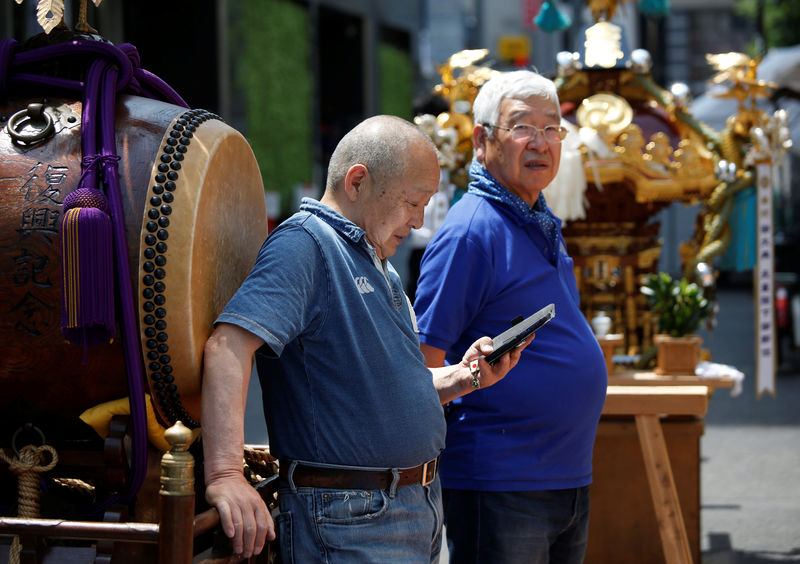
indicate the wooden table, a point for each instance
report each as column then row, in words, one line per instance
column 646, row 403
column 650, row 378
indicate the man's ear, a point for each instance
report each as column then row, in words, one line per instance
column 355, row 181
column 479, row 139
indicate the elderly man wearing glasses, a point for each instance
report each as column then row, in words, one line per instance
column 517, row 464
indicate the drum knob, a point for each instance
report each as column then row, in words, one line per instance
column 31, row 125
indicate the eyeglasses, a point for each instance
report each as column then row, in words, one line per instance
column 525, row 132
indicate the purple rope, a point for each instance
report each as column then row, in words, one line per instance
column 130, row 51
column 91, row 98
column 91, row 164
column 76, row 48
column 130, row 341
column 132, row 78
column 158, row 88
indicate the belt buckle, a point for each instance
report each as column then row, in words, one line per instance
column 431, row 464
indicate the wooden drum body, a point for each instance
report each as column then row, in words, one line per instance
column 195, row 218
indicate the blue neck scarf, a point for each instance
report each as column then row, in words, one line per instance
column 486, row 186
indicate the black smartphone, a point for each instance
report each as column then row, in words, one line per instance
column 507, row 340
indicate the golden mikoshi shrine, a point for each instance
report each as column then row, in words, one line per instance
column 637, row 149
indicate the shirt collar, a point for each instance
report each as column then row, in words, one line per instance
column 347, row 228
column 333, row 218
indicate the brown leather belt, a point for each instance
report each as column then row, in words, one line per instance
column 346, row 479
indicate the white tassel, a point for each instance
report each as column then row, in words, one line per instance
column 565, row 194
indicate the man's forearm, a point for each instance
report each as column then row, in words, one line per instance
column 226, row 377
column 452, row 382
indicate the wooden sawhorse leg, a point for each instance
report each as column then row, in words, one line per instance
column 671, row 527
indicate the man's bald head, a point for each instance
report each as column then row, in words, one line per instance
column 383, row 144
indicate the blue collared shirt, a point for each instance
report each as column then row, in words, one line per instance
column 534, row 429
column 345, row 381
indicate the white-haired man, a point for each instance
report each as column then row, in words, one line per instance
column 517, row 466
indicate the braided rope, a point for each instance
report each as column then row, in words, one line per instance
column 258, row 464
column 27, row 466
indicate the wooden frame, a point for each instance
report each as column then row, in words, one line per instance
column 174, row 534
column 646, row 404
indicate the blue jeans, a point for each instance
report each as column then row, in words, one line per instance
column 530, row 527
column 352, row 526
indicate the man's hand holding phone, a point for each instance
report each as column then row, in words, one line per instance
column 519, row 332
column 488, row 374
column 489, row 360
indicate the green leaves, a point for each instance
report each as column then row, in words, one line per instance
column 273, row 46
column 679, row 305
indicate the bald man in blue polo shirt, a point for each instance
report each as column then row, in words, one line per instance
column 518, row 461
column 354, row 415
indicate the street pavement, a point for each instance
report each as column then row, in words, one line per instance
column 750, row 452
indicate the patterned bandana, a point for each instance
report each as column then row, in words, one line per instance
column 485, row 185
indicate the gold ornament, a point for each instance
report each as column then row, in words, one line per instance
column 50, row 15
column 605, row 113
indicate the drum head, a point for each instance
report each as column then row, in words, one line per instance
column 203, row 223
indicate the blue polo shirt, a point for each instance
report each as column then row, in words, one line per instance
column 534, row 429
column 344, row 381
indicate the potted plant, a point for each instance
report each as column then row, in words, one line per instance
column 680, row 307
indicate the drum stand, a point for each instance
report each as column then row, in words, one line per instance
column 172, row 538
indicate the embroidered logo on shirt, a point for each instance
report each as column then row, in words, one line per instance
column 397, row 299
column 363, row 285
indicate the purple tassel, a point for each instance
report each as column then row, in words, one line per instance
column 87, row 269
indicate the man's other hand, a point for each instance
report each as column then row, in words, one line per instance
column 243, row 514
